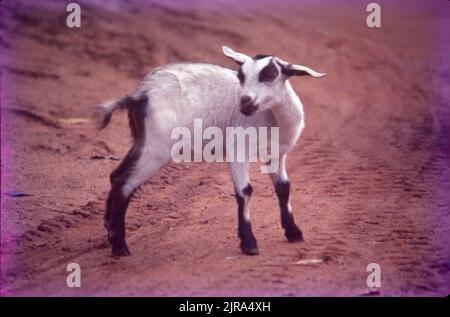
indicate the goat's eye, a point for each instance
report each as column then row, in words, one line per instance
column 241, row 76
column 268, row 73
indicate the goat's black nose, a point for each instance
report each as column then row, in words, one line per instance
column 245, row 100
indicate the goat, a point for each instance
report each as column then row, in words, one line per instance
column 257, row 95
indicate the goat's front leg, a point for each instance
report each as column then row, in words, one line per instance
column 282, row 186
column 243, row 190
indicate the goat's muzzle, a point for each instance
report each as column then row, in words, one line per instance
column 248, row 107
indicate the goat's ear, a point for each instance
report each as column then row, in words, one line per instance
column 297, row 70
column 239, row 58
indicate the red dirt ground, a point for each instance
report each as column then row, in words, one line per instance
column 370, row 174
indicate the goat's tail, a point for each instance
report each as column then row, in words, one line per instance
column 105, row 110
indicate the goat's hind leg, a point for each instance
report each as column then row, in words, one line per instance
column 135, row 169
column 117, row 179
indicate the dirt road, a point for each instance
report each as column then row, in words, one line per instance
column 370, row 174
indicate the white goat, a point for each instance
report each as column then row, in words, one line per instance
column 258, row 95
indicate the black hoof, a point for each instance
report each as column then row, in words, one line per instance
column 294, row 235
column 121, row 251
column 252, row 251
column 249, row 247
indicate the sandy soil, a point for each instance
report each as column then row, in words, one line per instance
column 371, row 178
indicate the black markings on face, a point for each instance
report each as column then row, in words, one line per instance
column 288, row 71
column 293, row 72
column 241, row 75
column 268, row 73
column 261, row 56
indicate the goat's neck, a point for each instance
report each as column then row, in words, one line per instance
column 289, row 116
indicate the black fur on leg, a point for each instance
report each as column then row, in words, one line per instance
column 118, row 179
column 248, row 241
column 122, row 172
column 117, row 205
column 292, row 232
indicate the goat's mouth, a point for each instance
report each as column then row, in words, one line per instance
column 249, row 110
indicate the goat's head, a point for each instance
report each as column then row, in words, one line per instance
column 263, row 79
